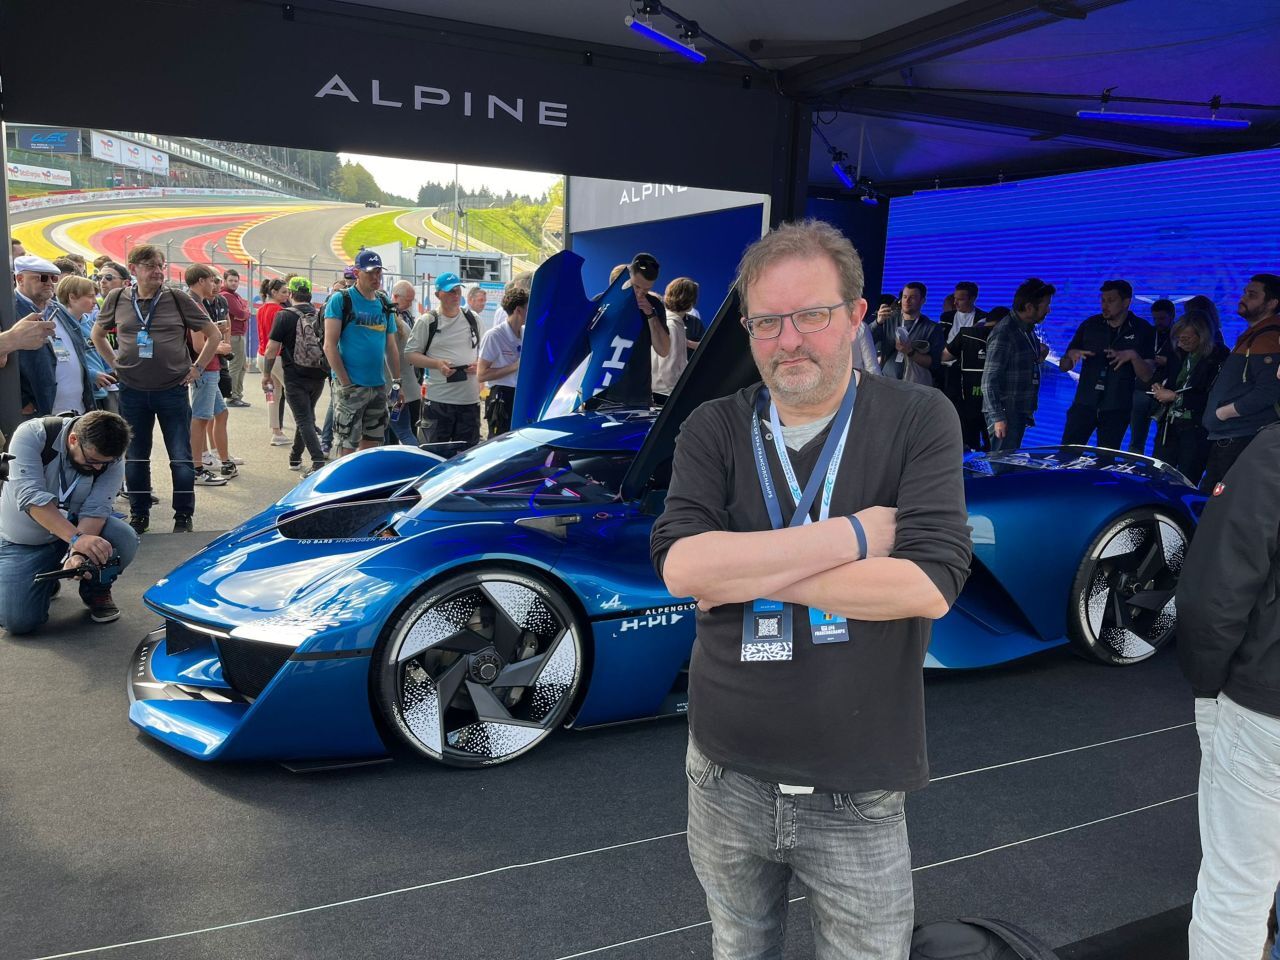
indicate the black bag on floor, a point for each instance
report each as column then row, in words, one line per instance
column 972, row 938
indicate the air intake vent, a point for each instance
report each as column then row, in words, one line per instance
column 248, row 665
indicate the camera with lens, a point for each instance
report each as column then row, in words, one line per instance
column 102, row 574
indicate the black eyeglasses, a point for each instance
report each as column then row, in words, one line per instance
column 808, row 320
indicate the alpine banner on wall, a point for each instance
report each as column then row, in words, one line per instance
column 48, row 139
column 549, row 105
column 595, row 204
column 45, row 175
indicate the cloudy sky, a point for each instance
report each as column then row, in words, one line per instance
column 404, row 177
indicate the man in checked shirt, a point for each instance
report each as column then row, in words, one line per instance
column 1011, row 378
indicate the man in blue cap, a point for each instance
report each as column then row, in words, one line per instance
column 445, row 342
column 360, row 343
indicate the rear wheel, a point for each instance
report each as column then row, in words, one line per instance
column 480, row 669
column 1122, row 602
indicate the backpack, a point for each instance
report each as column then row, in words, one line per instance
column 349, row 309
column 308, row 342
column 435, row 326
column 971, row 938
column 52, row 429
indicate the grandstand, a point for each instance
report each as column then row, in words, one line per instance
column 44, row 159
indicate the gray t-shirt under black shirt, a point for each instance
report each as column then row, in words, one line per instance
column 840, row 717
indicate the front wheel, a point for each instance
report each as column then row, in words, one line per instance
column 1122, row 602
column 480, row 669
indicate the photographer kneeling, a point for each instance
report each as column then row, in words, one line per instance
column 55, row 510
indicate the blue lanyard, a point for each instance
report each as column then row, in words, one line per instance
column 151, row 311
column 824, row 471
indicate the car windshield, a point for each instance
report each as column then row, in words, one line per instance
column 541, row 476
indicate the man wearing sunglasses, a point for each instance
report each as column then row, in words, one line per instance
column 56, row 510
column 36, row 279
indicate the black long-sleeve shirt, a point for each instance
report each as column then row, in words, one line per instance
column 840, row 716
column 1229, row 589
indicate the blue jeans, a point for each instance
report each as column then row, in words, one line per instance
column 1015, row 427
column 24, row 605
column 141, row 409
column 747, row 839
column 206, row 398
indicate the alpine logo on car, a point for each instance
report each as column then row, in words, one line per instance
column 613, row 603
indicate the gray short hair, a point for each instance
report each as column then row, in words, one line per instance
column 400, row 285
column 801, row 240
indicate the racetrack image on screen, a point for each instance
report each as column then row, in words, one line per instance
column 1173, row 229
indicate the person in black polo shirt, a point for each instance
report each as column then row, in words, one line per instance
column 1118, row 350
column 806, row 700
column 634, row 385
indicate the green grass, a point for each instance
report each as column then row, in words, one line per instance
column 377, row 229
column 496, row 227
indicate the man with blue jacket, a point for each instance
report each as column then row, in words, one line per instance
column 57, row 374
column 1244, row 398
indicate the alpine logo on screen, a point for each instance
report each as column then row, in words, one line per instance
column 1173, row 230
column 480, row 106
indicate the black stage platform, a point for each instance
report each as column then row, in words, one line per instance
column 1063, row 799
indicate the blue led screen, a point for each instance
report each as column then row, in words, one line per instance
column 1173, row 229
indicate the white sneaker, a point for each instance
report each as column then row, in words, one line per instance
column 210, row 460
column 207, row 478
column 239, row 462
column 280, row 440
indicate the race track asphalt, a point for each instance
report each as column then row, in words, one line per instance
column 290, row 241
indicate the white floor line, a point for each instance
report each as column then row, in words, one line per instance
column 927, row 866
column 373, row 896
column 1059, row 753
column 537, row 863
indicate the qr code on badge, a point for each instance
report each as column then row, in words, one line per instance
column 768, row 628
column 764, row 652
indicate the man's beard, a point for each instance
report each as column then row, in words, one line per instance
column 83, row 469
column 1253, row 316
column 813, row 382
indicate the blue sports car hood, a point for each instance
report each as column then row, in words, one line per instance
column 258, row 577
column 1041, row 459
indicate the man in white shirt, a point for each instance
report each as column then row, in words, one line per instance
column 444, row 342
column 499, row 363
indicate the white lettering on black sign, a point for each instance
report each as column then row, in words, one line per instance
column 549, row 114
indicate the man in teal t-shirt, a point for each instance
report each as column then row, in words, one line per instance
column 359, row 352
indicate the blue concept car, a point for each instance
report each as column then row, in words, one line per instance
column 463, row 609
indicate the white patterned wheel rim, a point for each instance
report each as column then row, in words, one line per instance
column 485, row 671
column 1127, row 608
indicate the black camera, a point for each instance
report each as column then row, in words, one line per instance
column 102, row 574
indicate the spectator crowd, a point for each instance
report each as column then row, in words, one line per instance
column 109, row 351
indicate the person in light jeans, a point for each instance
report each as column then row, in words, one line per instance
column 1229, row 648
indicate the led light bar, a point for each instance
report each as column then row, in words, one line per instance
column 671, row 43
column 1160, row 120
column 842, row 173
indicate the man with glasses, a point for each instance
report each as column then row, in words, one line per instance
column 56, row 511
column 111, row 276
column 35, row 281
column 816, row 601
column 154, row 368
